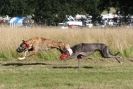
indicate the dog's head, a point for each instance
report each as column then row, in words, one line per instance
column 24, row 46
column 65, row 53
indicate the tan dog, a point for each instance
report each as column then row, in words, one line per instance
column 37, row 44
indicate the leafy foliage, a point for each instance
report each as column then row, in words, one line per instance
column 51, row 12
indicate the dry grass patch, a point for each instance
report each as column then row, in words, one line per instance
column 118, row 39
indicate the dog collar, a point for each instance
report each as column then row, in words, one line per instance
column 70, row 51
column 27, row 45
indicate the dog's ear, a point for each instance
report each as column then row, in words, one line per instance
column 23, row 41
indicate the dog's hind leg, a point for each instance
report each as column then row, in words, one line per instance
column 117, row 59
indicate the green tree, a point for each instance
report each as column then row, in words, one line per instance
column 4, row 7
column 54, row 11
column 17, row 7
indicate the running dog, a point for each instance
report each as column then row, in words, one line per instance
column 84, row 49
column 37, row 44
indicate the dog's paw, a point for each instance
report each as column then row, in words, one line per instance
column 121, row 63
column 21, row 58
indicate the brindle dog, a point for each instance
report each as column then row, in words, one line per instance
column 37, row 44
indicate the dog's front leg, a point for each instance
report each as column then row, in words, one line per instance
column 32, row 53
column 24, row 55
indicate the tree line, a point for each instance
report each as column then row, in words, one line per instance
column 51, row 12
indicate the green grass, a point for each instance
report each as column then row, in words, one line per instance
column 93, row 74
column 54, row 54
column 49, row 55
column 127, row 52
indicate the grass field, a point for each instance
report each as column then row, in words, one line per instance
column 46, row 71
column 56, row 75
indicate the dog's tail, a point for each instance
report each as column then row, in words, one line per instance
column 108, row 54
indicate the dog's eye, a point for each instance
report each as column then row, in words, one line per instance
column 22, row 45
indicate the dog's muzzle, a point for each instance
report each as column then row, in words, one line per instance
column 20, row 49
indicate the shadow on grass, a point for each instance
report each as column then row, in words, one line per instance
column 22, row 64
column 42, row 63
column 71, row 67
column 130, row 60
